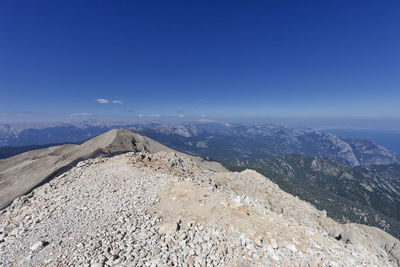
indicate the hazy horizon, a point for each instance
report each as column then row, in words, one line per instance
column 295, row 122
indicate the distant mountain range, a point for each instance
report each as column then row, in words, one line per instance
column 228, row 142
column 222, row 141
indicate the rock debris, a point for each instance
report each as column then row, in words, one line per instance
column 140, row 209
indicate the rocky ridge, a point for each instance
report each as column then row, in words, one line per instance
column 22, row 173
column 370, row 153
column 141, row 209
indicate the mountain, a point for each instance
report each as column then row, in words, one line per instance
column 5, row 132
column 164, row 209
column 386, row 138
column 9, row 151
column 21, row 173
column 64, row 133
column 369, row 153
column 229, row 142
column 222, row 141
column 363, row 194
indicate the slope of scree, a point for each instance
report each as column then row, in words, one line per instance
column 362, row 194
column 165, row 210
column 21, row 173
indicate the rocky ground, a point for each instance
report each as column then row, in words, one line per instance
column 140, row 209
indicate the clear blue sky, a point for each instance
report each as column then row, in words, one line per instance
column 212, row 58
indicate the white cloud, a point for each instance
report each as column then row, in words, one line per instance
column 203, row 115
column 181, row 115
column 78, row 114
column 102, row 101
column 106, row 101
column 140, row 115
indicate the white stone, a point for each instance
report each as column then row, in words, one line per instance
column 37, row 245
column 292, row 248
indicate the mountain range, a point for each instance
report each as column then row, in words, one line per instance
column 211, row 139
column 228, row 142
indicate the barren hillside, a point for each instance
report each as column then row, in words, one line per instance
column 164, row 209
column 21, row 173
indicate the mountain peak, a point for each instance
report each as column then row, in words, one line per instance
column 20, row 174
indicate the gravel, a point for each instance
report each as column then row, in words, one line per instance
column 140, row 209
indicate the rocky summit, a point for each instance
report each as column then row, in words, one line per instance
column 164, row 209
column 21, row 173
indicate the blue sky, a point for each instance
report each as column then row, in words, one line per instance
column 233, row 59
